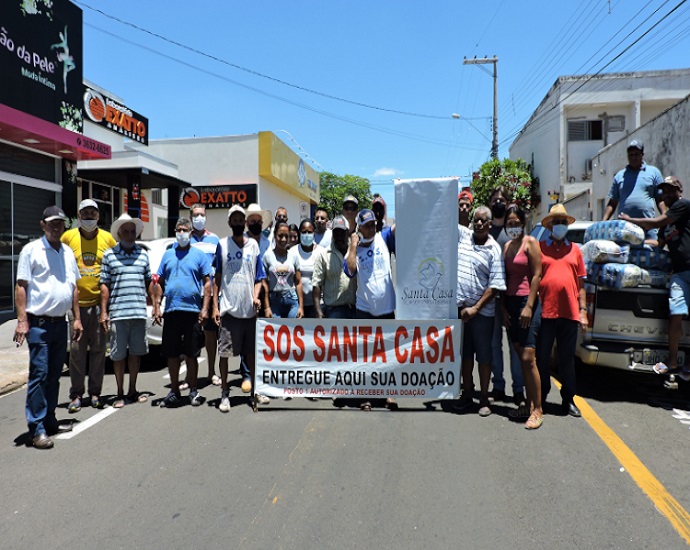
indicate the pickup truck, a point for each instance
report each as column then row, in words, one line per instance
column 628, row 326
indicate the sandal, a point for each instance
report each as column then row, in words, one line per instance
column 366, row 406
column 184, row 386
column 96, row 402
column 74, row 406
column 215, row 380
column 391, row 405
column 522, row 411
column 137, row 397
column 534, row 422
column 119, row 402
column 662, row 368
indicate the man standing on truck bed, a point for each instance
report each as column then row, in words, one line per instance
column 676, row 234
column 635, row 189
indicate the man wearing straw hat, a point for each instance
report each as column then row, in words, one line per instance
column 564, row 305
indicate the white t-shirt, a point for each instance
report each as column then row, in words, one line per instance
column 305, row 261
column 323, row 239
column 240, row 269
column 375, row 291
column 51, row 277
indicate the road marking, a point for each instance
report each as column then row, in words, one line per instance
column 95, row 419
column 683, row 416
column 645, row 480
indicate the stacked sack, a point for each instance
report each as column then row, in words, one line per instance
column 616, row 257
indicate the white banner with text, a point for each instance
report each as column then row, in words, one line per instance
column 358, row 358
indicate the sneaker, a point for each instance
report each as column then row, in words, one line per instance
column 171, row 400
column 484, row 409
column 224, row 403
column 519, row 399
column 497, row 395
column 261, row 399
column 195, row 398
column 246, row 385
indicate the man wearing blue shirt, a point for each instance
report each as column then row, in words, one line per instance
column 635, row 190
column 184, row 277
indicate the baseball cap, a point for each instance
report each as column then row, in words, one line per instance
column 236, row 208
column 466, row 195
column 673, row 181
column 87, row 203
column 636, row 144
column 351, row 198
column 365, row 216
column 339, row 222
column 53, row 213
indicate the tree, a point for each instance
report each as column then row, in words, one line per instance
column 335, row 188
column 515, row 175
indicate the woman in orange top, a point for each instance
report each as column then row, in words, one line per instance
column 564, row 307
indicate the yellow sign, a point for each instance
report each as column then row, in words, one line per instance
column 281, row 165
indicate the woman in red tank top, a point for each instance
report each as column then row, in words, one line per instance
column 522, row 310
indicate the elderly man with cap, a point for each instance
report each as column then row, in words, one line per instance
column 125, row 285
column 46, row 290
column 89, row 243
column 349, row 211
column 236, row 288
column 207, row 242
column 329, row 282
column 675, row 225
column 564, row 305
column 635, row 190
column 465, row 203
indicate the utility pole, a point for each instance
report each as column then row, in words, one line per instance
column 485, row 61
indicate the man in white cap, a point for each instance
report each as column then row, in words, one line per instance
column 46, row 290
column 207, row 242
column 89, row 243
column 236, row 288
column 350, row 207
column 125, row 284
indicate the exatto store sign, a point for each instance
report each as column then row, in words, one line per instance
column 114, row 116
column 219, row 196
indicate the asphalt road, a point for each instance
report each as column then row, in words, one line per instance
column 303, row 474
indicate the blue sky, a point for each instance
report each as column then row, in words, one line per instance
column 394, row 57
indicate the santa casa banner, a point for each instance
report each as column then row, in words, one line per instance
column 358, row 358
column 426, row 216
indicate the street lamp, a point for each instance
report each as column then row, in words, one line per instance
column 485, row 61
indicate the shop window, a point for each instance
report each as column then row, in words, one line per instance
column 15, row 160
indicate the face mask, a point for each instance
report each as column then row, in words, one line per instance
column 499, row 209
column 237, row 230
column 514, row 232
column 362, row 240
column 254, row 228
column 558, row 232
column 88, row 225
column 199, row 222
column 182, row 238
column 307, row 239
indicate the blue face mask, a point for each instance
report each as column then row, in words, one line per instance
column 307, row 239
column 558, row 232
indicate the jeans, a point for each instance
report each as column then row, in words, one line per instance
column 339, row 312
column 284, row 304
column 564, row 333
column 497, row 363
column 47, row 352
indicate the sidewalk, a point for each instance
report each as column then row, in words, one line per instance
column 14, row 361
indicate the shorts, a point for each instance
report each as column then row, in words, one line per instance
column 237, row 336
column 679, row 293
column 182, row 334
column 210, row 325
column 476, row 339
column 128, row 334
column 524, row 337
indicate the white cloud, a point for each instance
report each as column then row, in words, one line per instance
column 387, row 172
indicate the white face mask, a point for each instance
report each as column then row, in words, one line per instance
column 88, row 225
column 558, row 232
column 199, row 222
column 182, row 238
column 514, row 232
column 362, row 240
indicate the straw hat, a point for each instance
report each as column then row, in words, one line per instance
column 256, row 209
column 557, row 211
column 125, row 218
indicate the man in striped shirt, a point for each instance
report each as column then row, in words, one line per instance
column 125, row 282
column 480, row 278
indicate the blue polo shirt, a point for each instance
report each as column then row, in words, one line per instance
column 182, row 275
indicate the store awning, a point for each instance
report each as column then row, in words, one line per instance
column 41, row 135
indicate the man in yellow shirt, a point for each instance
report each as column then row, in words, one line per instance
column 88, row 242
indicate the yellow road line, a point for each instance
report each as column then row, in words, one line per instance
column 662, row 499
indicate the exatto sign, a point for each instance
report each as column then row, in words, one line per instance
column 219, row 196
column 114, row 116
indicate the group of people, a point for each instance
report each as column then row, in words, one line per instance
column 215, row 288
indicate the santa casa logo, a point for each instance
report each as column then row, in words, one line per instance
column 189, row 197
